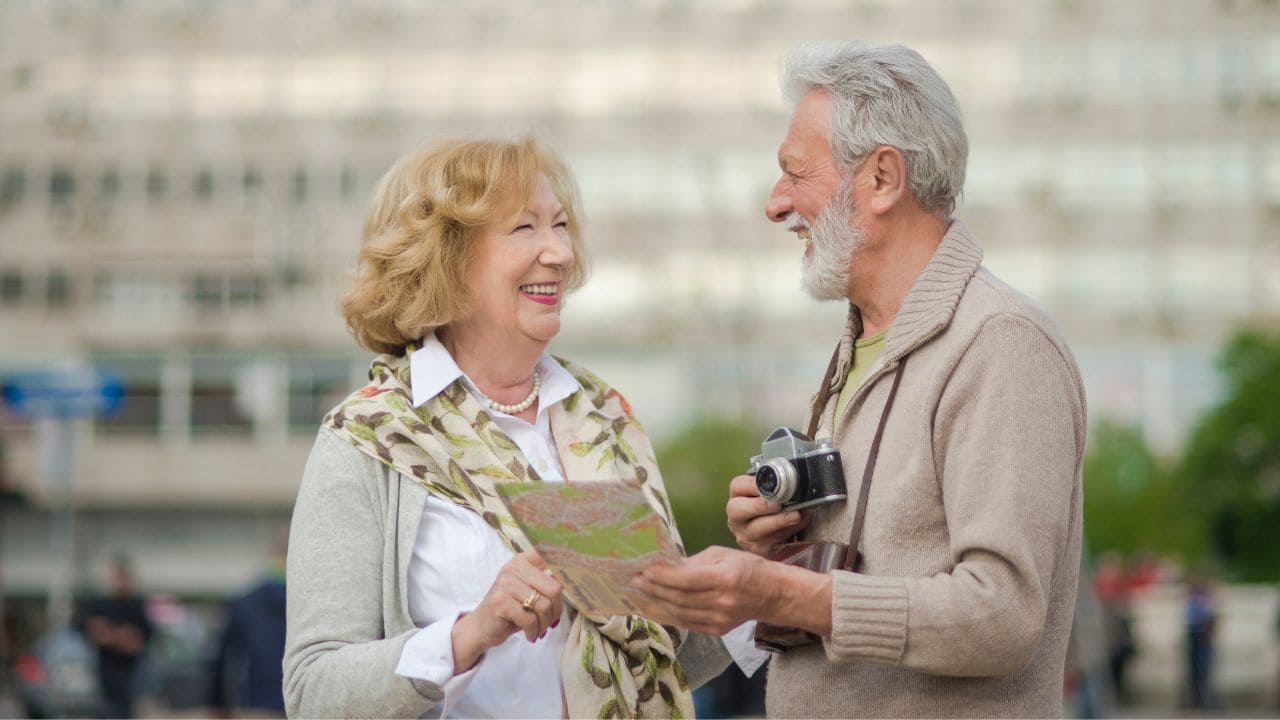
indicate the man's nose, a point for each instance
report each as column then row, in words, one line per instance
column 779, row 205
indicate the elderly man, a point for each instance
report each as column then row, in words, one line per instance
column 960, row 602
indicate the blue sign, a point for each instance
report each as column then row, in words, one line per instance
column 62, row 393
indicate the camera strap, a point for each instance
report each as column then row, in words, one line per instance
column 860, row 512
column 824, row 392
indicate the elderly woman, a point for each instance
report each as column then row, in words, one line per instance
column 410, row 594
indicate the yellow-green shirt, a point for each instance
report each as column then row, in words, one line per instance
column 866, row 351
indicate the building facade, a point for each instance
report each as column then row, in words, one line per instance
column 182, row 186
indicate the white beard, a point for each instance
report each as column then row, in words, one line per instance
column 836, row 236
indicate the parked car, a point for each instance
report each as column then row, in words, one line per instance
column 59, row 678
column 176, row 670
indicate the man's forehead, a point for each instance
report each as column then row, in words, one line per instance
column 809, row 131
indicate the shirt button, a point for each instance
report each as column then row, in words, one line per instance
column 542, row 465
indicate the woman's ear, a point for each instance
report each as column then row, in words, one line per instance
column 887, row 170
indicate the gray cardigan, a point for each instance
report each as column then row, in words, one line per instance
column 354, row 527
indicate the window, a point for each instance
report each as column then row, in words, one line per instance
column 12, row 187
column 57, row 289
column 62, row 186
column 202, row 185
column 109, row 184
column 226, row 291
column 300, row 186
column 140, row 412
column 316, row 385
column 157, row 185
column 12, row 287
column 220, row 398
column 252, row 181
column 347, row 183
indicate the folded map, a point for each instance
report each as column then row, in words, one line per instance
column 594, row 537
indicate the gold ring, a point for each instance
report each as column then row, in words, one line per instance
column 533, row 598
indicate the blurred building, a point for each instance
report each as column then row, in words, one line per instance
column 182, row 185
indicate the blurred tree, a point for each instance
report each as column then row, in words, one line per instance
column 1231, row 463
column 1131, row 503
column 697, row 465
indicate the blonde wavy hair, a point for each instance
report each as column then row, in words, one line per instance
column 420, row 231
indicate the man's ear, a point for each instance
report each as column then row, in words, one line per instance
column 886, row 171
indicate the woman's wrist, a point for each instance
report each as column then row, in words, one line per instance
column 467, row 646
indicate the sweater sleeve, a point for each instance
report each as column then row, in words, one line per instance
column 337, row 662
column 1008, row 435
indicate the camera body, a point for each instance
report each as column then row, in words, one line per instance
column 797, row 472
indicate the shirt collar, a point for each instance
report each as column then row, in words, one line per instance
column 432, row 369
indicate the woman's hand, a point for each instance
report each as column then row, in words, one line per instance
column 507, row 608
column 757, row 524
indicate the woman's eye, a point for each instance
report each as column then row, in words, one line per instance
column 521, row 228
column 562, row 224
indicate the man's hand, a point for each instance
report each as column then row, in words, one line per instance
column 756, row 523
column 123, row 638
column 719, row 588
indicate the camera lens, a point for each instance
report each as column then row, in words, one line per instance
column 776, row 480
column 767, row 481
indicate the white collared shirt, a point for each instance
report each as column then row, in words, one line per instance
column 457, row 557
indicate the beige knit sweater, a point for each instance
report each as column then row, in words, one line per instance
column 962, row 604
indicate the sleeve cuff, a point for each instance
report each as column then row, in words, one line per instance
column 741, row 644
column 428, row 655
column 868, row 618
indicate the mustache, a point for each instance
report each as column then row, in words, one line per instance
column 795, row 223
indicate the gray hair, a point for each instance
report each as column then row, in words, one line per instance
column 887, row 95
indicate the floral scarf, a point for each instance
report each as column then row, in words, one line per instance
column 619, row 666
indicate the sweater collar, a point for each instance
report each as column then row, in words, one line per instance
column 932, row 300
column 928, row 306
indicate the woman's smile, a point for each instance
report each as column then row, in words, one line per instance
column 542, row 293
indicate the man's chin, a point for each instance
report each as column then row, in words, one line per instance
column 822, row 289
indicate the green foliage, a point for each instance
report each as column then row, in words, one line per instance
column 1231, row 462
column 1131, row 503
column 697, row 465
column 1219, row 501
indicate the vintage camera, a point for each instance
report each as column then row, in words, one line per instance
column 797, row 472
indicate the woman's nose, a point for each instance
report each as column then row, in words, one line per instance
column 557, row 249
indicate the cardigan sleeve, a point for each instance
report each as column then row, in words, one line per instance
column 337, row 661
column 1008, row 435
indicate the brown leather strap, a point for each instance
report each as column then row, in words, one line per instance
column 860, row 513
column 824, row 393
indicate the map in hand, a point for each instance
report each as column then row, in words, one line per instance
column 594, row 536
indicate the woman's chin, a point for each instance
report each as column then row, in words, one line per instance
column 543, row 329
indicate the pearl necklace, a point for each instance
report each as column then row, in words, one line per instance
column 519, row 407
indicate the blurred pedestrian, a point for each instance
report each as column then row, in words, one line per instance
column 1277, row 632
column 246, row 675
column 118, row 627
column 1202, row 621
column 1112, row 586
